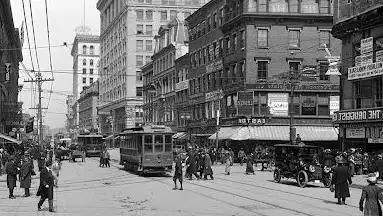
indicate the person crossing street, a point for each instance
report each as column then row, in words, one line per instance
column 45, row 190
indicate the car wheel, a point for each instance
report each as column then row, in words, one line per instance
column 302, row 178
column 277, row 175
column 327, row 180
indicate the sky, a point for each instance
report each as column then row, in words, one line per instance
column 63, row 17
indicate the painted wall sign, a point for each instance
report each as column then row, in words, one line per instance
column 358, row 116
column 355, row 133
column 299, row 87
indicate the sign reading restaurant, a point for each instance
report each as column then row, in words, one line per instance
column 358, row 116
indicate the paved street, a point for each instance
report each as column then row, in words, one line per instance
column 86, row 189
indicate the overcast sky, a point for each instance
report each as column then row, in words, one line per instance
column 63, row 17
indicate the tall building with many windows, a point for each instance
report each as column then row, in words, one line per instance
column 86, row 54
column 127, row 43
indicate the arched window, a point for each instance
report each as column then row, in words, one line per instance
column 84, row 49
column 91, row 50
column 91, row 62
column 84, row 62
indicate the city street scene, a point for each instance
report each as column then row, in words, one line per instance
column 191, row 107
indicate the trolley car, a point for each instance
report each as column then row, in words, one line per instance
column 91, row 143
column 147, row 149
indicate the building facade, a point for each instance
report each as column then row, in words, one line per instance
column 246, row 56
column 10, row 56
column 88, row 102
column 70, row 122
column 182, row 114
column 359, row 26
column 127, row 30
column 169, row 45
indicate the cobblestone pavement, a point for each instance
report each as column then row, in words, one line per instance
column 86, row 189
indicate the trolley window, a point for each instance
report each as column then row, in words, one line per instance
column 168, row 143
column 158, row 143
column 148, row 144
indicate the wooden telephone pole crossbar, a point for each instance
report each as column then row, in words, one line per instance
column 39, row 80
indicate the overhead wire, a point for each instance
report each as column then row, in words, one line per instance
column 34, row 35
column 50, row 54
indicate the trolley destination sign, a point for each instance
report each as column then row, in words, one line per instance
column 358, row 116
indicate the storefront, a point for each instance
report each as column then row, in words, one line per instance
column 361, row 128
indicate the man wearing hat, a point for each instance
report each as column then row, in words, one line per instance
column 341, row 179
column 371, row 195
column 26, row 173
column 46, row 186
column 11, row 169
column 379, row 166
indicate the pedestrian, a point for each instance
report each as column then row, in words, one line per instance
column 228, row 163
column 11, row 169
column 26, row 172
column 249, row 165
column 208, row 171
column 45, row 190
column 1, row 161
column 56, row 167
column 241, row 156
column 107, row 158
column 191, row 161
column 371, row 195
column 351, row 162
column 41, row 160
column 102, row 159
column 178, row 173
column 341, row 180
column 232, row 156
column 378, row 167
column 83, row 155
column 298, row 139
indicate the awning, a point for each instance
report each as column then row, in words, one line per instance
column 225, row 133
column 109, row 137
column 117, row 137
column 282, row 133
column 10, row 139
column 179, row 135
column 201, row 135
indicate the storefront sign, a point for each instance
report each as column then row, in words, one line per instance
column 379, row 56
column 217, row 65
column 298, row 87
column 245, row 98
column 368, row 70
column 355, row 132
column 334, row 104
column 374, row 132
column 252, row 120
column 358, row 116
column 358, row 61
column 375, row 140
column 278, row 103
column 214, row 95
column 182, row 85
column 366, row 45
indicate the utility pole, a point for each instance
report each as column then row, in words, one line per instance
column 39, row 80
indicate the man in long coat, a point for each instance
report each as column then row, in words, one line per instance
column 26, row 171
column 11, row 169
column 192, row 163
column 41, row 160
column 46, row 186
column 208, row 171
column 341, row 179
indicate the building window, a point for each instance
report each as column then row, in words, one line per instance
column 91, row 62
column 294, row 38
column 140, row 29
column 378, row 92
column 309, row 104
column 294, row 66
column 139, row 60
column 84, row 49
column 228, row 45
column 262, row 38
column 173, row 14
column 84, row 62
column 149, row 15
column 138, row 75
column 262, row 5
column 262, row 69
column 139, row 91
column 324, row 6
column 84, row 71
column 91, row 50
column 149, row 45
column 148, row 59
column 140, row 45
column 149, row 29
column 242, row 40
column 214, row 20
column 91, row 71
column 140, row 14
column 91, row 80
column 235, row 42
column 323, row 105
column 164, row 15
column 357, row 94
column 83, row 80
column 293, row 6
column 324, row 39
column 221, row 16
column 323, row 67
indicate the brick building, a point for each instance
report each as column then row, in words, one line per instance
column 88, row 119
column 245, row 52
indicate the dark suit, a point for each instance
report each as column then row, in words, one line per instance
column 341, row 179
column 11, row 170
column 46, row 179
column 371, row 195
column 26, row 176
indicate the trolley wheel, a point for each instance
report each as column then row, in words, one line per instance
column 302, row 178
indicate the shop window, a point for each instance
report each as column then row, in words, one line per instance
column 309, row 104
column 296, row 105
column 323, row 105
column 263, row 104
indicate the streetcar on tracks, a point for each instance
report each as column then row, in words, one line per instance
column 147, row 149
column 91, row 143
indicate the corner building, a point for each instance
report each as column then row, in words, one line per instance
column 360, row 120
column 127, row 30
column 240, row 52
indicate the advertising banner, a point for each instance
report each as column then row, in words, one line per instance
column 245, row 103
column 334, row 104
column 355, row 132
column 278, row 104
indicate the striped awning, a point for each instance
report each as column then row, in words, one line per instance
column 10, row 139
column 225, row 133
column 179, row 135
column 282, row 133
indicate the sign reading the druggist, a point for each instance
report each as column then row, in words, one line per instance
column 358, row 116
column 364, row 71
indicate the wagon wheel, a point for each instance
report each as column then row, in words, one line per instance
column 277, row 175
column 327, row 180
column 302, row 178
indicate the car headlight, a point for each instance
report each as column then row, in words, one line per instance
column 326, row 169
column 311, row 168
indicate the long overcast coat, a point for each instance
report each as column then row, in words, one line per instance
column 341, row 179
column 11, row 170
column 26, row 174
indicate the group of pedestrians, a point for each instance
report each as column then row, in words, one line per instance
column 104, row 158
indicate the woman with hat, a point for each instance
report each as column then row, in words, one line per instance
column 341, row 179
column 371, row 195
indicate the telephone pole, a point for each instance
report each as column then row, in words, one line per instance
column 39, row 80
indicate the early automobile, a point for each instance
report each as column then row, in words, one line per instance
column 75, row 152
column 300, row 162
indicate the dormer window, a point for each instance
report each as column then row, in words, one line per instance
column 84, row 49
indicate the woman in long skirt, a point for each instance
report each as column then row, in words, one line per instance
column 228, row 164
column 371, row 195
column 249, row 165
